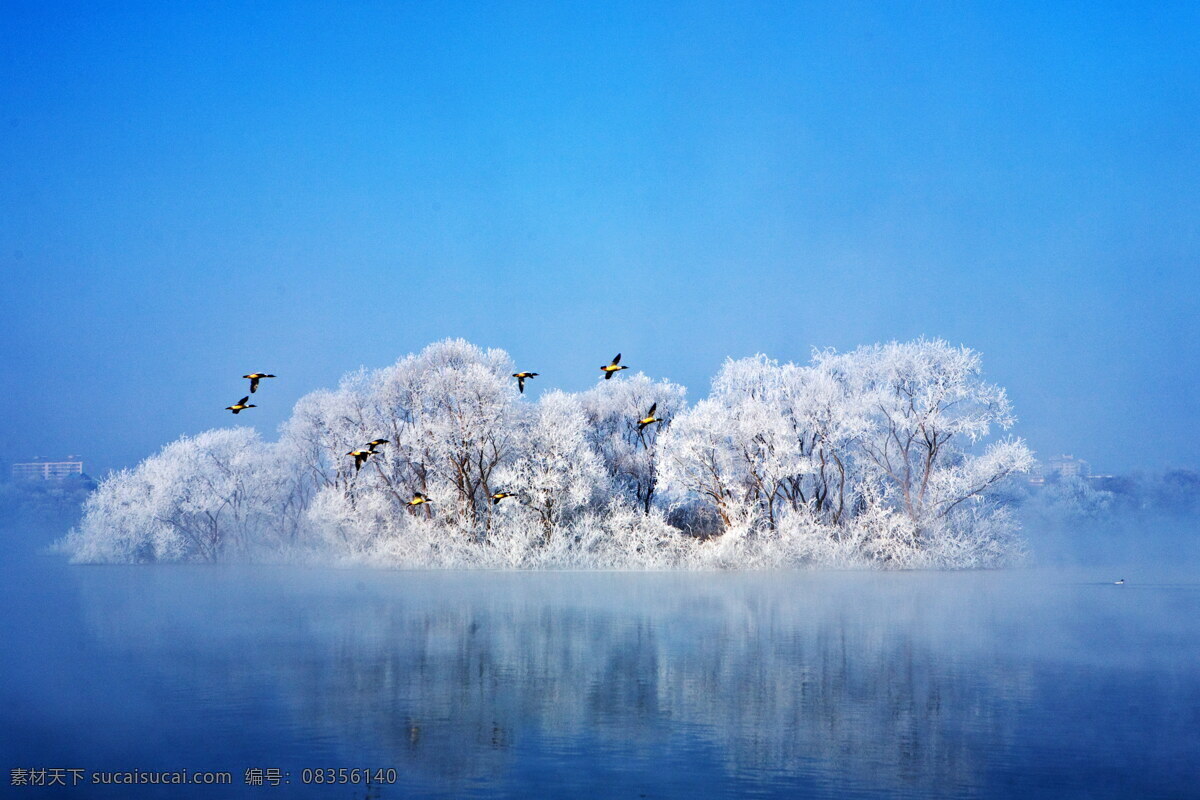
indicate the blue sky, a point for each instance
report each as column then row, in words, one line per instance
column 191, row 193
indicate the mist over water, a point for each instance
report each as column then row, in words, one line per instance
column 1035, row 682
column 1151, row 546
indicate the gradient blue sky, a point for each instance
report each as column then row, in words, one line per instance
column 191, row 192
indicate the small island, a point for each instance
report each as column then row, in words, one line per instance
column 877, row 457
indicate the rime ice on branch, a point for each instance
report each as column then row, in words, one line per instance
column 876, row 456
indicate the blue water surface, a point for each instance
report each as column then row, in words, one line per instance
column 1025, row 683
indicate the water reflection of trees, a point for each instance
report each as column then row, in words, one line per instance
column 859, row 681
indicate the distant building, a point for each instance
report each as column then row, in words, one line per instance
column 1036, row 477
column 39, row 470
column 1068, row 467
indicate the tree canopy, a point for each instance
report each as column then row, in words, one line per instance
column 877, row 456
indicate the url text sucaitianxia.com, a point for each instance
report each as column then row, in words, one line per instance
column 253, row 776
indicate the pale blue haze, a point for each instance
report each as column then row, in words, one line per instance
column 188, row 194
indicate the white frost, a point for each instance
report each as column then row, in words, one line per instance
column 875, row 457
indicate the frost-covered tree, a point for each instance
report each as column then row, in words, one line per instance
column 629, row 450
column 846, row 443
column 769, row 439
column 450, row 415
column 557, row 473
column 118, row 524
column 197, row 499
column 453, row 412
column 828, row 420
column 927, row 405
column 722, row 452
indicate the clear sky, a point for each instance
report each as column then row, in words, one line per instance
column 189, row 192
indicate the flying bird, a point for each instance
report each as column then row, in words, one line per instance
column 360, row 457
column 521, row 376
column 611, row 368
column 371, row 445
column 649, row 419
column 498, row 496
column 255, row 377
column 418, row 498
column 240, row 405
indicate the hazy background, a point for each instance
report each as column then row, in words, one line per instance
column 189, row 194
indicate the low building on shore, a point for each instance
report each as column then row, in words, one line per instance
column 46, row 470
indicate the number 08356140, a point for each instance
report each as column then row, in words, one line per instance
column 331, row 775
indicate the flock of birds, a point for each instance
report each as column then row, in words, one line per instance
column 242, row 405
column 372, row 447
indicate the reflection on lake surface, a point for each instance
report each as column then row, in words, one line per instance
column 610, row 684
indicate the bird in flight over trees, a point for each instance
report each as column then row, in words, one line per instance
column 418, row 498
column 649, row 419
column 374, row 443
column 255, row 377
column 521, row 376
column 240, row 405
column 498, row 496
column 360, row 457
column 611, row 368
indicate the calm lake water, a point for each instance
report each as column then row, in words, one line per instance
column 1028, row 683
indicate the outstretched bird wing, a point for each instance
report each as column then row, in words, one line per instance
column 253, row 385
column 616, row 360
column 651, row 414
